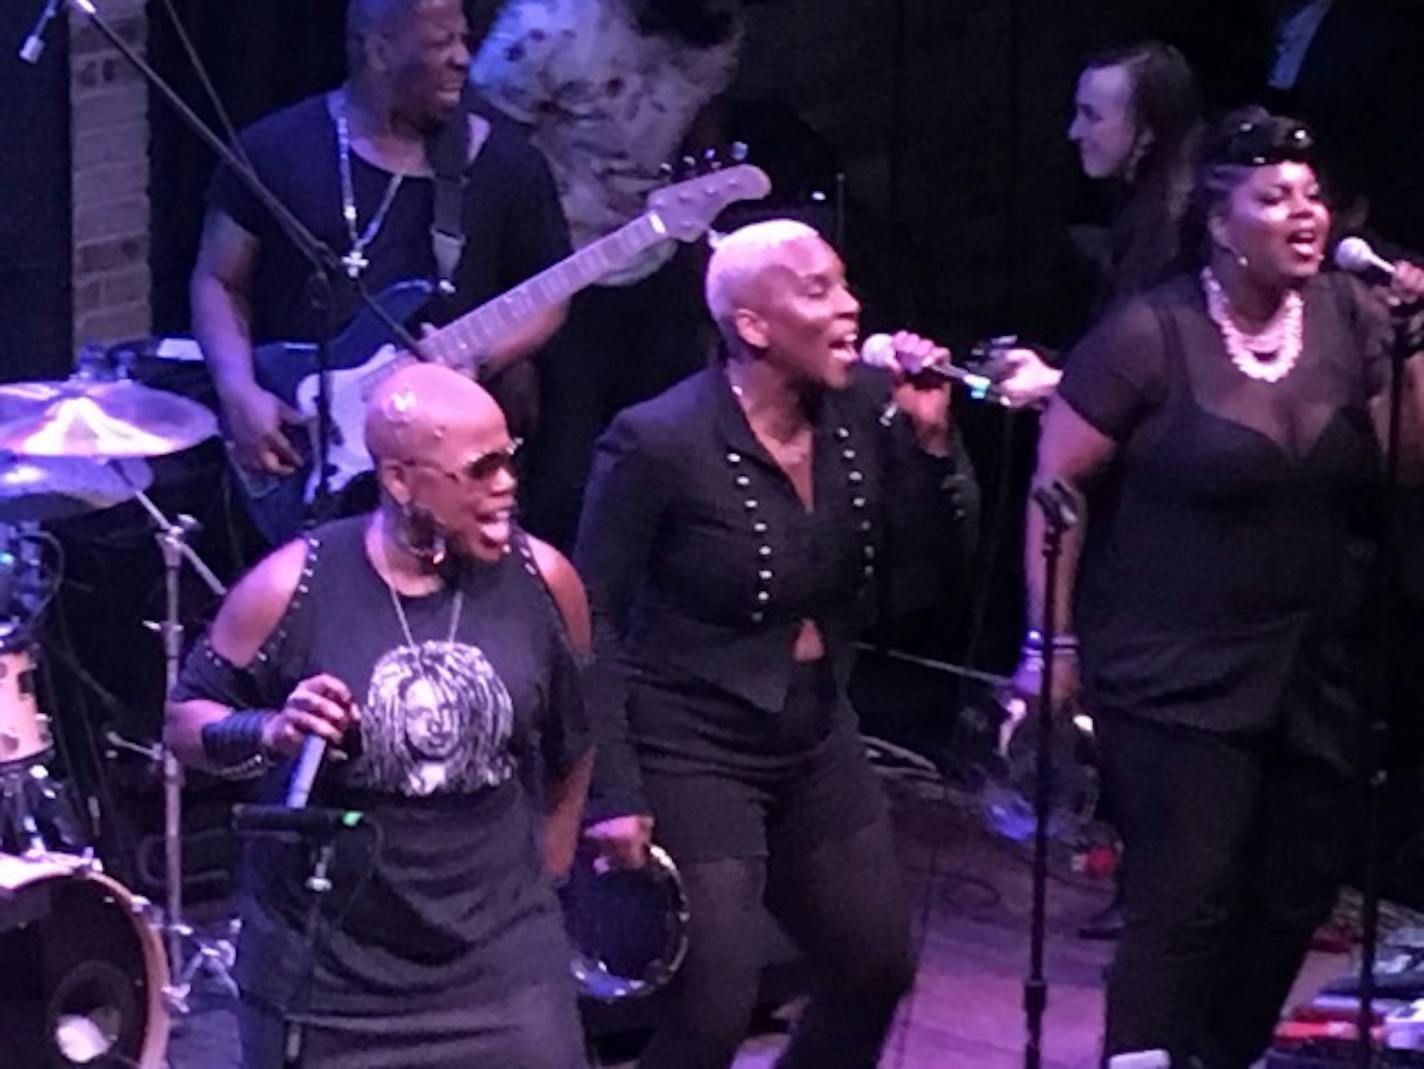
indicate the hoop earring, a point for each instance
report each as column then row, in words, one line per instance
column 422, row 534
column 1238, row 258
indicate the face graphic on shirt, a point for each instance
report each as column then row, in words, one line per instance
column 437, row 720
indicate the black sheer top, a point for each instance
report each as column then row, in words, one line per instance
column 1220, row 580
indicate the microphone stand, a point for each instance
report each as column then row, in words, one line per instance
column 1060, row 515
column 318, row 883
column 1390, row 679
column 327, row 267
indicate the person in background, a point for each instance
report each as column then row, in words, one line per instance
column 1225, row 427
column 354, row 166
column 611, row 91
column 1136, row 118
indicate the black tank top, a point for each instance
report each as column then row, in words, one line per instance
column 456, row 737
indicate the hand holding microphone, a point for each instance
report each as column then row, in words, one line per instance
column 317, row 713
column 922, row 374
column 320, row 709
column 1406, row 280
column 919, row 358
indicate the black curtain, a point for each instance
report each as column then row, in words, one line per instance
column 35, row 320
column 261, row 57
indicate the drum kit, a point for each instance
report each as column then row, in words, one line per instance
column 92, row 971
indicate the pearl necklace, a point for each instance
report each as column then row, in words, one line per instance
column 1270, row 353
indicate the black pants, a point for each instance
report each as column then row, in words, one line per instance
column 1234, row 847
column 534, row 1026
column 843, row 905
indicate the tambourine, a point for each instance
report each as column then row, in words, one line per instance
column 628, row 926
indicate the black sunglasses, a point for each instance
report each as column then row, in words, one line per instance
column 1257, row 144
column 482, row 467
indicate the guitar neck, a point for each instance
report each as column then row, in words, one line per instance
column 464, row 342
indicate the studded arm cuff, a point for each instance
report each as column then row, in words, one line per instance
column 233, row 745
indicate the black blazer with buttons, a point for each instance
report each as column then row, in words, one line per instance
column 700, row 559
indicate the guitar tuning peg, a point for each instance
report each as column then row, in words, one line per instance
column 665, row 170
column 740, row 152
column 689, row 165
column 710, row 160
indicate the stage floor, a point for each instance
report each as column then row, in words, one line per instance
column 972, row 894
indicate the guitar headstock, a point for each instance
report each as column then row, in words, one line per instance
column 687, row 209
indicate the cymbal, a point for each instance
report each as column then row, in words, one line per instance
column 44, row 489
column 90, row 418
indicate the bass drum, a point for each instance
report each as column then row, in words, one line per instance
column 84, row 972
column 628, row 927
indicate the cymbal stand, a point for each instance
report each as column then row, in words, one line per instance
column 213, row 957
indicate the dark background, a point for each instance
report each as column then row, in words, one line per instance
column 34, row 201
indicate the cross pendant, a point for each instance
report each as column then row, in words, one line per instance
column 355, row 262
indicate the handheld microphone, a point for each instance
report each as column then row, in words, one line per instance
column 878, row 350
column 1356, row 256
column 304, row 771
column 34, row 44
column 279, row 820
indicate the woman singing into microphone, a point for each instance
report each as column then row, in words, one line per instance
column 1226, row 425
column 738, row 531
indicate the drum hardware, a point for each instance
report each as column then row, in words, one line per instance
column 35, row 814
column 85, row 969
column 628, row 926
column 211, row 957
column 36, row 490
column 99, row 420
column 114, row 422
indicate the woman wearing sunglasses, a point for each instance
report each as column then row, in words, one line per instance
column 419, row 642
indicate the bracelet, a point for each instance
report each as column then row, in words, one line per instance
column 1033, row 641
column 233, row 745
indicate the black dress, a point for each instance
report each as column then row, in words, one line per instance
column 1216, row 586
column 1218, row 602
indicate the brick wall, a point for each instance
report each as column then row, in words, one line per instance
column 109, row 142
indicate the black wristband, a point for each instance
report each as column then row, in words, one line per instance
column 234, row 743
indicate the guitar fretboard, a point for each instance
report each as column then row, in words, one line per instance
column 464, row 342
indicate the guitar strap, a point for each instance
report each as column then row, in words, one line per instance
column 451, row 150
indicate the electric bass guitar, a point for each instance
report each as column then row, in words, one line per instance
column 365, row 353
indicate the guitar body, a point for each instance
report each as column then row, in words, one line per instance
column 365, row 352
column 277, row 503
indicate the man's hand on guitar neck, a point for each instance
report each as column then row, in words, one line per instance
column 255, row 419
